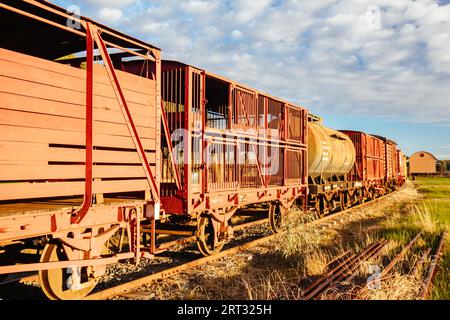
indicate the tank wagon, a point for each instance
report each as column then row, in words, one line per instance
column 331, row 156
column 106, row 151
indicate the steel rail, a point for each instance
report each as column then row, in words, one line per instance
column 119, row 289
column 432, row 269
column 349, row 276
column 400, row 255
column 415, row 269
column 346, row 269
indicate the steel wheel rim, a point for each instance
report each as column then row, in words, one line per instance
column 52, row 281
column 206, row 243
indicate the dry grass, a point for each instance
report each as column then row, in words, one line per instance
column 301, row 254
column 395, row 287
column 271, row 286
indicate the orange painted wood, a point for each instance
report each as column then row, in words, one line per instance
column 15, row 191
column 12, row 133
column 38, row 153
column 136, row 83
column 37, row 90
column 65, row 81
column 43, row 103
column 44, row 121
column 46, row 172
column 141, row 116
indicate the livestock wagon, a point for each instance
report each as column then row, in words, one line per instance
column 104, row 148
column 80, row 144
column 227, row 146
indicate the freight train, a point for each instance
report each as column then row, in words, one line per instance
column 107, row 151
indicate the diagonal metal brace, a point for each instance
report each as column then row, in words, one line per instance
column 126, row 113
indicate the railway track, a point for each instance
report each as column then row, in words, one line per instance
column 122, row 288
column 164, row 274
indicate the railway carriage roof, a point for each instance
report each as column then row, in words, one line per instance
column 39, row 28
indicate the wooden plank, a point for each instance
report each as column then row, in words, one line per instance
column 38, row 90
column 136, row 83
column 24, row 134
column 39, row 153
column 65, row 81
column 15, row 191
column 44, row 121
column 50, row 172
column 31, row 104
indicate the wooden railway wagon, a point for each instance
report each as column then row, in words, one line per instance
column 368, row 171
column 390, row 163
column 227, row 146
column 79, row 145
column 92, row 157
column 402, row 174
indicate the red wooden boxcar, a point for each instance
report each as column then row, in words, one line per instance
column 370, row 162
column 402, row 174
column 390, row 163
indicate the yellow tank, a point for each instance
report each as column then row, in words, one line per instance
column 330, row 152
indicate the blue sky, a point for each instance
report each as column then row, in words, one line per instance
column 378, row 66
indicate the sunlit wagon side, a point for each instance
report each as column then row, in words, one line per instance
column 370, row 162
column 227, row 146
column 79, row 142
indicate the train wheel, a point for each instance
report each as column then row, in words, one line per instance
column 206, row 242
column 275, row 218
column 55, row 282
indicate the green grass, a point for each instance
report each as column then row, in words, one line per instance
column 436, row 192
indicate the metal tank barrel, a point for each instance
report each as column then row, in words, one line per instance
column 330, row 152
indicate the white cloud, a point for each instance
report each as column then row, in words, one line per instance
column 321, row 54
column 236, row 34
column 110, row 14
column 110, row 3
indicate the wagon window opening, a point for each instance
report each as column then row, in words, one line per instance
column 217, row 114
column 274, row 117
column 244, row 109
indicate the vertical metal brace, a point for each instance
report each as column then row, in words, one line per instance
column 169, row 143
column 126, row 113
column 78, row 215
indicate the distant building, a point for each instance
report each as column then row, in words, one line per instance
column 446, row 166
column 423, row 163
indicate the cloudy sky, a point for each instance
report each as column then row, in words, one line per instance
column 379, row 66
